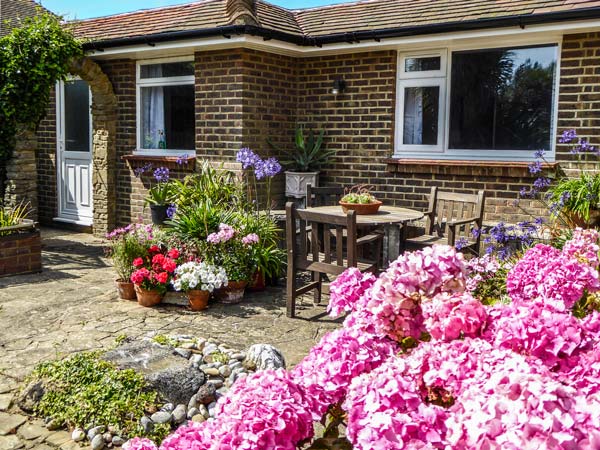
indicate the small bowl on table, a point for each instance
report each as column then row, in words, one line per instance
column 361, row 208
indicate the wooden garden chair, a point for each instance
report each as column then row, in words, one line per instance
column 451, row 219
column 323, row 196
column 324, row 245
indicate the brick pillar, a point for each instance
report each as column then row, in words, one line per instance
column 21, row 174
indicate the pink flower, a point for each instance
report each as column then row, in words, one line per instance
column 138, row 262
column 583, row 247
column 449, row 317
column 347, row 289
column 250, row 239
column 139, row 444
column 226, row 232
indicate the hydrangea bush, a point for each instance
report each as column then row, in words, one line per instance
column 521, row 373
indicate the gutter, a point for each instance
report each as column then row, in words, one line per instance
column 228, row 31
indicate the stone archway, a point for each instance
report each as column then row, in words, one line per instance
column 104, row 151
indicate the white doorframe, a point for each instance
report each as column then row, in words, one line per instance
column 74, row 195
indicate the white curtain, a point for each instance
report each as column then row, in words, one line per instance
column 413, row 116
column 153, row 111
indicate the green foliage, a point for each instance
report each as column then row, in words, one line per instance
column 492, row 288
column 309, row 154
column 13, row 216
column 159, row 194
column 193, row 223
column 164, row 340
column 83, row 389
column 579, row 195
column 32, row 58
column 219, row 357
column 126, row 245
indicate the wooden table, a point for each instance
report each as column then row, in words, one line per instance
column 391, row 218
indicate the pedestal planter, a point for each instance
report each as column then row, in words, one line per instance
column 126, row 290
column 295, row 183
column 158, row 214
column 198, row 299
column 20, row 249
column 148, row 298
column 232, row 293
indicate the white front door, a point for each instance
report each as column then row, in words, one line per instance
column 74, row 152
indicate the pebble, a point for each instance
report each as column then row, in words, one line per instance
column 147, row 424
column 211, row 371
column 204, row 411
column 192, row 412
column 118, row 441
column 98, row 442
column 217, row 383
column 225, row 371
column 179, row 414
column 234, row 364
column 196, row 360
column 107, row 437
column 161, row 417
column 95, row 431
column 78, row 435
column 198, row 418
column 239, row 356
column 211, row 409
column 187, row 345
column 169, row 407
column 183, row 352
column 209, row 349
column 54, row 424
column 206, row 394
column 193, row 403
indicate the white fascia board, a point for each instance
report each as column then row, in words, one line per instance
column 512, row 34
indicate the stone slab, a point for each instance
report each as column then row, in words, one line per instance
column 10, row 422
column 31, row 431
column 58, row 438
column 11, row 442
column 5, row 401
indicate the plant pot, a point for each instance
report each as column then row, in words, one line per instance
column 361, row 209
column 126, row 289
column 257, row 284
column 158, row 214
column 148, row 298
column 578, row 221
column 198, row 299
column 232, row 293
column 295, row 183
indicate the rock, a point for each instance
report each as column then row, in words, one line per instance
column 97, row 443
column 170, row 375
column 198, row 418
column 225, row 371
column 147, row 424
column 196, row 360
column 185, row 353
column 204, row 411
column 239, row 356
column 31, row 396
column 93, row 432
column 193, row 403
column 187, row 345
column 31, row 431
column 234, row 364
column 209, row 349
column 211, row 409
column 118, row 441
column 107, row 437
column 161, row 417
column 169, row 407
column 206, row 394
column 5, row 401
column 211, row 371
column 179, row 414
column 78, row 435
column 263, row 356
column 216, row 382
column 54, row 424
column 10, row 443
column 192, row 412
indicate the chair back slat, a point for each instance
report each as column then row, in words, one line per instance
column 323, row 196
column 451, row 206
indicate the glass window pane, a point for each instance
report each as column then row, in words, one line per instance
column 177, row 69
column 77, row 116
column 168, row 117
column 422, row 64
column 502, row 98
column 421, row 111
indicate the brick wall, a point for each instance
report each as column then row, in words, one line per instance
column 20, row 253
column 46, row 164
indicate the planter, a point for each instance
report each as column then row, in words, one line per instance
column 579, row 221
column 20, row 249
column 148, row 298
column 198, row 300
column 257, row 284
column 295, row 183
column 158, row 214
column 126, row 290
column 232, row 293
column 361, row 209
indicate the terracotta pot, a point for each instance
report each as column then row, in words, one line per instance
column 579, row 221
column 361, row 209
column 232, row 293
column 257, row 284
column 198, row 299
column 148, row 298
column 126, row 290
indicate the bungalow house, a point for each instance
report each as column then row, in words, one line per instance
column 453, row 93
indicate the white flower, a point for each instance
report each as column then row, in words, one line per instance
column 192, row 274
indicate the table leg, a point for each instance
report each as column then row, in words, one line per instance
column 391, row 243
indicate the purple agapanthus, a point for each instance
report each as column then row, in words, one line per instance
column 161, row 174
column 181, row 160
column 568, row 136
column 139, row 171
column 541, row 183
column 248, row 158
column 271, row 167
column 171, row 210
column 461, row 243
column 540, row 154
column 535, row 167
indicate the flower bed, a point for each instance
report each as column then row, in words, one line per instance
column 421, row 363
column 20, row 249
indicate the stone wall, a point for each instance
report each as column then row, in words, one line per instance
column 21, row 184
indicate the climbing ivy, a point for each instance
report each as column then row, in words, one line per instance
column 32, row 58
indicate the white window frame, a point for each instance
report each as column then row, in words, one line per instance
column 443, row 152
column 155, row 82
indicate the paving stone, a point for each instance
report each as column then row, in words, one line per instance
column 31, row 431
column 5, row 401
column 70, row 445
column 10, row 443
column 10, row 422
column 42, row 447
column 58, row 438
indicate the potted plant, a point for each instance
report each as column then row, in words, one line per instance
column 152, row 275
column 159, row 197
column 579, row 198
column 20, row 241
column 304, row 161
column 233, row 253
column 198, row 280
column 270, row 261
column 124, row 246
column 359, row 199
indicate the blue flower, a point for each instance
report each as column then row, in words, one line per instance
column 182, row 159
column 272, row 167
column 461, row 243
column 568, row 136
column 535, row 167
column 161, row 174
column 171, row 210
column 247, row 157
column 143, row 169
column 259, row 169
column 542, row 183
column 540, row 154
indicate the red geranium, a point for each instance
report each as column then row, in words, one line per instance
column 162, row 277
column 169, row 265
column 140, row 275
column 173, row 253
column 158, row 259
column 138, row 262
column 154, row 249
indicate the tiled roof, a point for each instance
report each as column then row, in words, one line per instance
column 14, row 11
column 366, row 15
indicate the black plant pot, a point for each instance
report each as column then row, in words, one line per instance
column 159, row 214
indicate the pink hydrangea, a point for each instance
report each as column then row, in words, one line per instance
column 347, row 289
column 139, row 444
column 339, row 357
column 480, row 269
column 226, row 232
column 250, row 239
column 452, row 316
column 583, row 246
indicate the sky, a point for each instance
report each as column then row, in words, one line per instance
column 82, row 9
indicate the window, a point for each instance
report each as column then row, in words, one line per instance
column 500, row 103
column 166, row 117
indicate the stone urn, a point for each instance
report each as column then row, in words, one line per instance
column 296, row 182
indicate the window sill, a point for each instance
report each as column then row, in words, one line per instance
column 172, row 162
column 463, row 167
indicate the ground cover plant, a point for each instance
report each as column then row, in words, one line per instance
column 423, row 363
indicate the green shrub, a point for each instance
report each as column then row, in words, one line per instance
column 83, row 389
column 13, row 216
